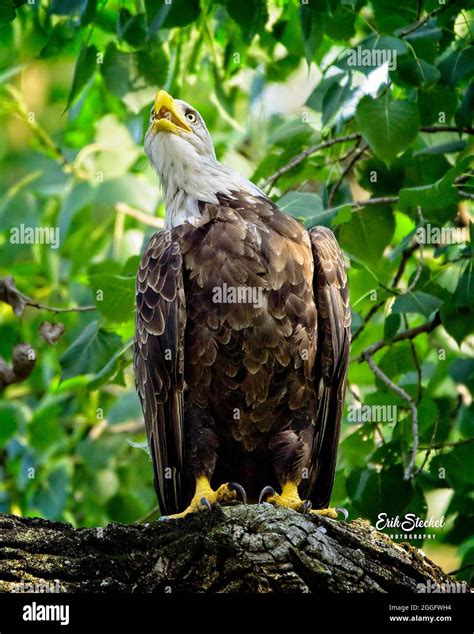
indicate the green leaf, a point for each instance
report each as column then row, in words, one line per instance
column 465, row 114
column 251, row 15
column 12, row 416
column 340, row 25
column 367, row 234
column 455, row 464
column 51, row 498
column 436, row 104
column 388, row 126
column 163, row 15
column 372, row 492
column 85, row 68
column 66, row 7
column 335, row 98
column 344, row 214
column 126, row 74
column 458, row 321
column 450, row 147
column 117, row 296
column 111, row 371
column 301, row 204
column 462, row 371
column 312, row 29
column 391, row 15
column 391, row 326
column 60, row 37
column 88, row 12
column 132, row 28
column 464, row 294
column 458, row 65
column 416, row 72
column 7, row 11
column 90, row 352
column 416, row 302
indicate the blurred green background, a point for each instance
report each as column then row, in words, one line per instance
column 271, row 79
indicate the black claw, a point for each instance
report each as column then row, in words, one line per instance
column 265, row 492
column 205, row 502
column 235, row 486
column 163, row 518
column 343, row 511
column 307, row 506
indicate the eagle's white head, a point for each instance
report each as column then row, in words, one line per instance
column 180, row 148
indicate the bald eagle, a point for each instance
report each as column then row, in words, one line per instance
column 242, row 335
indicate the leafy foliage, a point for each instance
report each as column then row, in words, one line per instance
column 76, row 83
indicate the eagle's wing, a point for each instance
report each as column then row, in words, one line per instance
column 159, row 362
column 331, row 295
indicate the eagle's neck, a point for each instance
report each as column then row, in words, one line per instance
column 189, row 178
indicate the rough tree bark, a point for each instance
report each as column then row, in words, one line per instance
column 231, row 549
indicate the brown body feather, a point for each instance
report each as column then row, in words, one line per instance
column 249, row 391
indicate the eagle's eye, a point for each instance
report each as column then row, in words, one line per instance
column 191, row 117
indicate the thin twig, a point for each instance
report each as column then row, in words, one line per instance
column 407, row 253
column 464, row 194
column 424, row 20
column 299, row 158
column 43, row 137
column 419, row 9
column 411, row 333
column 357, row 155
column 382, row 200
column 415, row 361
column 419, row 266
column 447, row 128
column 454, row 443
column 414, row 411
column 53, row 309
column 429, row 448
column 141, row 216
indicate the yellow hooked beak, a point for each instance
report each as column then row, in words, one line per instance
column 167, row 116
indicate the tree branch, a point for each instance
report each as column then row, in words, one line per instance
column 357, row 155
column 411, row 333
column 447, row 128
column 455, row 443
column 299, row 158
column 424, row 20
column 414, row 411
column 141, row 216
column 233, row 549
column 55, row 309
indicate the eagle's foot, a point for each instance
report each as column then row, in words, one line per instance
column 290, row 499
column 329, row 512
column 205, row 497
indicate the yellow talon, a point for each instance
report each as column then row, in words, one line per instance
column 205, row 497
column 290, row 499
